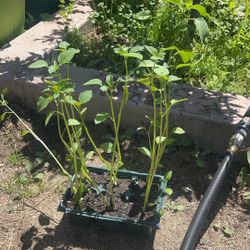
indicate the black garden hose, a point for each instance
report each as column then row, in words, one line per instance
column 193, row 233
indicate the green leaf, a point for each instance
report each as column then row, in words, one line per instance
column 104, row 88
column 107, row 147
column 2, row 116
column 109, row 80
column 169, row 191
column 161, row 71
column 201, row 9
column 143, row 15
column 232, row 4
column 168, row 175
column 145, row 151
column 216, row 226
column 38, row 64
column 188, row 2
column 66, row 56
column 96, row 82
column 25, row 132
column 83, row 111
column 200, row 163
column 171, row 48
column 135, row 55
column 37, row 161
column 185, row 55
column 73, row 122
column 89, row 155
column 43, row 102
column 178, row 131
column 140, row 128
column 179, row 208
column 246, row 196
column 161, row 212
column 145, row 81
column 74, row 147
column 152, row 50
column 175, row 101
column 39, row 176
column 69, row 99
column 248, row 157
column 147, row 64
column 85, row 96
column 175, row 207
column 227, row 231
column 48, row 117
column 29, row 166
column 63, row 45
column 101, row 117
column 173, row 78
column 3, row 92
column 202, row 28
column 136, row 49
column 160, row 139
column 53, row 68
column 183, row 65
column 122, row 50
column 100, row 189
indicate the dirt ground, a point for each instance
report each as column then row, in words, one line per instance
column 28, row 211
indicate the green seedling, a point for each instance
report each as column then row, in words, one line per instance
column 199, row 156
column 227, row 231
column 175, row 207
column 157, row 79
column 70, row 116
column 112, row 147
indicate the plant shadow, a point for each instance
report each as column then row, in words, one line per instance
column 65, row 236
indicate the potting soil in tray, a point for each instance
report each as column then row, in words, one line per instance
column 129, row 196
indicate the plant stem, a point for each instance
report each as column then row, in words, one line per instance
column 40, row 140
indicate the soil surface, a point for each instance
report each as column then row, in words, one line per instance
column 128, row 197
column 29, row 200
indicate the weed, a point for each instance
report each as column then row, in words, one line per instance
column 227, row 231
column 175, row 207
column 15, row 158
column 24, row 185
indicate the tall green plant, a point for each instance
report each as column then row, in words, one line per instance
column 110, row 87
column 158, row 80
column 69, row 113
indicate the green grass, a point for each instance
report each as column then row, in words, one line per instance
column 22, row 186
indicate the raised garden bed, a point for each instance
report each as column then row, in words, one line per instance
column 138, row 98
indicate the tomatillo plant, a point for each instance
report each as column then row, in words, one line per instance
column 111, row 88
column 70, row 116
column 157, row 79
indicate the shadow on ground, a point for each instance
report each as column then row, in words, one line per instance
column 67, row 236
